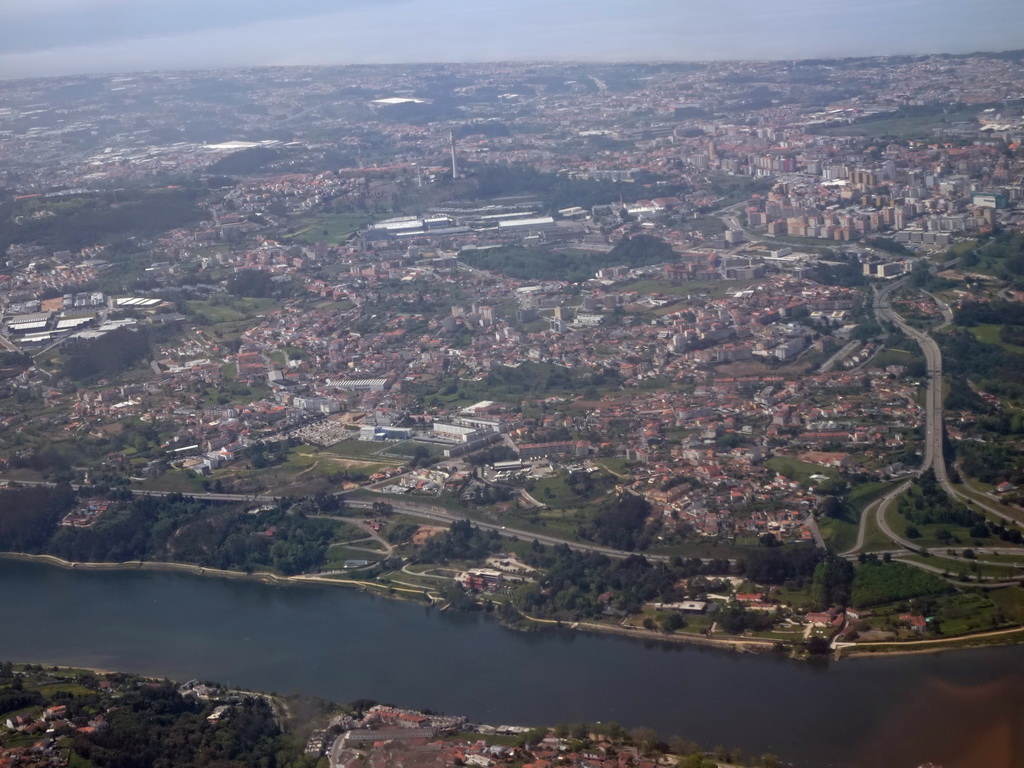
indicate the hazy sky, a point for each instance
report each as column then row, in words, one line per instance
column 57, row 37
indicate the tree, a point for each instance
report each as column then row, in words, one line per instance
column 817, row 646
column 833, row 578
column 579, row 731
column 254, row 283
column 681, row 746
column 696, row 760
column 620, row 521
column 644, row 738
column 833, row 487
column 672, row 621
column 614, row 731
column 832, row 507
column 534, row 736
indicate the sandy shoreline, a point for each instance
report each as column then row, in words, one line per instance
column 739, row 645
column 80, row 668
column 135, row 565
column 1014, row 636
column 199, row 570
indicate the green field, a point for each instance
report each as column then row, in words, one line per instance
column 717, row 288
column 411, row 448
column 178, row 480
column 617, row 466
column 563, row 523
column 901, row 126
column 556, row 491
column 231, row 309
column 989, row 334
column 364, row 450
column 1010, row 601
column 800, row 599
column 317, row 462
column 839, row 533
column 338, row 554
column 874, row 538
column 889, row 356
column 800, row 471
column 865, row 493
column 231, row 391
column 307, row 470
column 333, row 228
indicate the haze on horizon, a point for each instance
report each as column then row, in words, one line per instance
column 68, row 37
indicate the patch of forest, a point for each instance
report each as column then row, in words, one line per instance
column 106, row 356
column 123, row 721
column 174, row 528
column 95, row 219
column 879, row 583
column 993, row 368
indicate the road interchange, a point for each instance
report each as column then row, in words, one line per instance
column 934, row 454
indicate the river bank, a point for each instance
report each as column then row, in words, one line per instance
column 265, row 577
column 344, row 644
column 1014, row 635
column 740, row 645
column 196, row 570
column 402, row 593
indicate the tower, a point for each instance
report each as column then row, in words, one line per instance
column 451, row 139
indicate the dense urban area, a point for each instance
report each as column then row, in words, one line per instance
column 724, row 353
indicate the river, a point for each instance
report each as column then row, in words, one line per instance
column 958, row 709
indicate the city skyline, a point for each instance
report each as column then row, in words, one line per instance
column 61, row 37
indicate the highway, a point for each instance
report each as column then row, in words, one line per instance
column 439, row 514
column 934, row 456
column 873, row 509
column 404, row 507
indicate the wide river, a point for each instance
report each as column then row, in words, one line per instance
column 957, row 709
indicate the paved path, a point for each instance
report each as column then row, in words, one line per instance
column 831, row 363
column 812, row 524
column 913, row 643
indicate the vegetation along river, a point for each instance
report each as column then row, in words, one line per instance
column 959, row 708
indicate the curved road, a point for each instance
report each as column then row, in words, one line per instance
column 426, row 511
column 934, row 456
column 443, row 515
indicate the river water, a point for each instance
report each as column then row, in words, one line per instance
column 963, row 708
